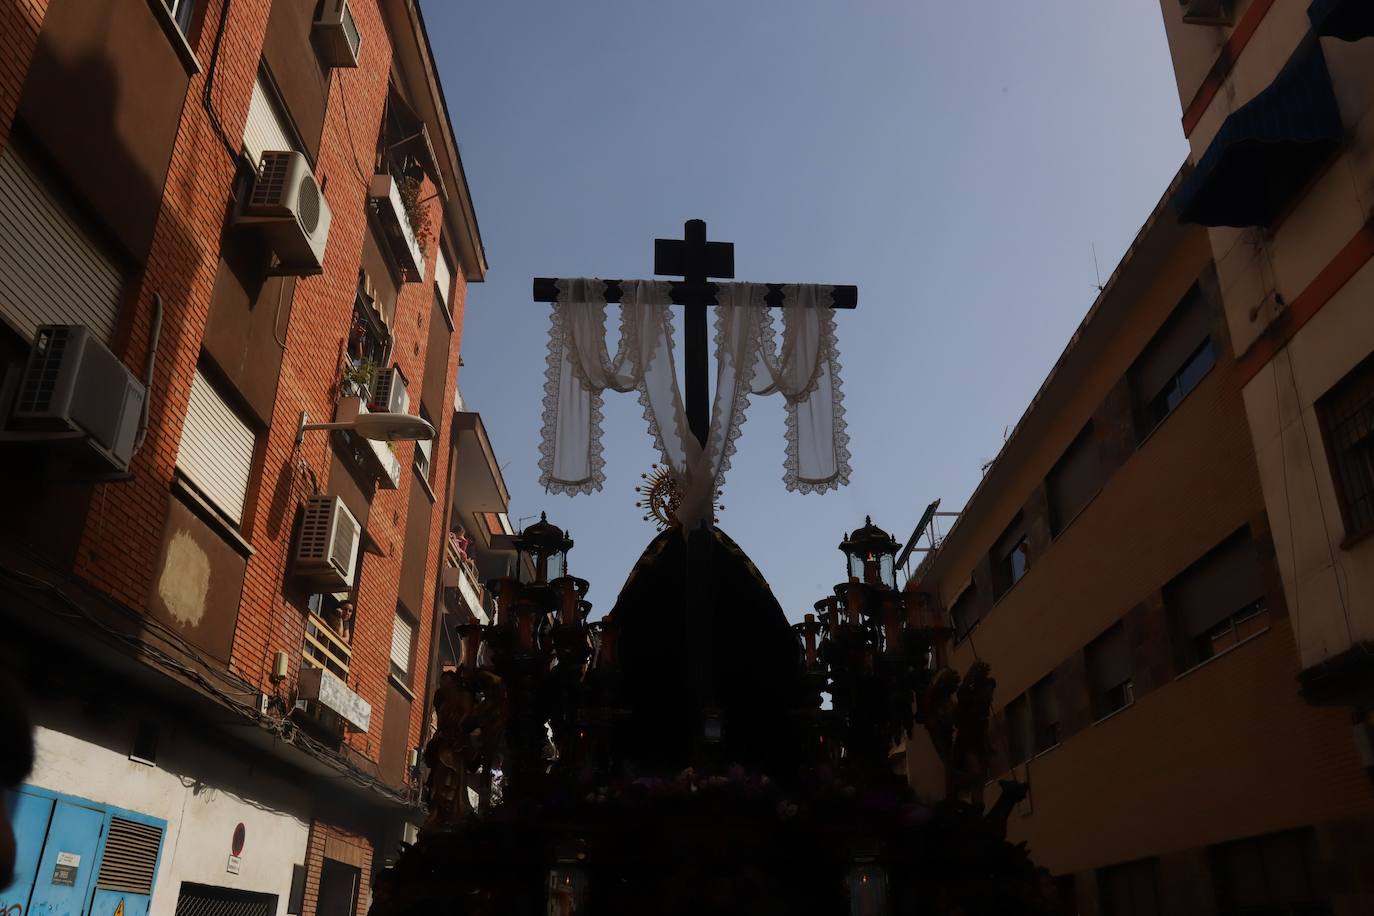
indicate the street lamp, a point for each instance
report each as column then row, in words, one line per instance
column 386, row 427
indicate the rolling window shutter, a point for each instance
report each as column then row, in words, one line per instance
column 401, row 635
column 1109, row 659
column 1180, row 336
column 265, row 128
column 1074, row 480
column 1044, row 703
column 1217, row 586
column 1020, row 731
column 130, row 857
column 443, row 278
column 216, row 450
column 50, row 270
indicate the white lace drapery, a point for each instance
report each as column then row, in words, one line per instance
column 806, row 372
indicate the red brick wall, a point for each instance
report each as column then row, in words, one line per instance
column 20, row 22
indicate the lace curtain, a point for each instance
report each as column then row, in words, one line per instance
column 805, row 372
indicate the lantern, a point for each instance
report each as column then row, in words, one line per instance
column 547, row 546
column 871, row 554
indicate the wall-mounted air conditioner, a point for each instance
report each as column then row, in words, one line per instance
column 289, row 209
column 72, row 383
column 327, row 549
column 1206, row 12
column 389, row 393
column 336, row 34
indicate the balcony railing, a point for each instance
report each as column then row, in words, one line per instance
column 461, row 577
column 385, row 193
column 323, row 648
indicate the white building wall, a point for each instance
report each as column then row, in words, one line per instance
column 202, row 793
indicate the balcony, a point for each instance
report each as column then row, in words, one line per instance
column 387, row 203
column 323, row 680
column 462, row 588
column 377, row 456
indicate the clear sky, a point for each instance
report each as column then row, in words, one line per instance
column 957, row 161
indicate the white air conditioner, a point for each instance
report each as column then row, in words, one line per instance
column 389, row 393
column 72, row 383
column 327, row 549
column 336, row 34
column 1206, row 12
column 289, row 209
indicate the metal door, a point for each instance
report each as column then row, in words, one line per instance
column 62, row 882
column 29, row 815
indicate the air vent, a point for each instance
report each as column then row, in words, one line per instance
column 327, row 548
column 309, row 211
column 130, row 858
column 286, row 206
column 44, row 369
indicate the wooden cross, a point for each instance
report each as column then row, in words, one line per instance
column 698, row 262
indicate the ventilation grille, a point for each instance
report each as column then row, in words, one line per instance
column 271, row 183
column 200, row 900
column 314, row 543
column 345, row 534
column 350, row 28
column 308, row 205
column 130, row 857
column 45, row 365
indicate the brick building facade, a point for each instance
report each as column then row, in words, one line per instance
column 252, row 708
column 1116, row 568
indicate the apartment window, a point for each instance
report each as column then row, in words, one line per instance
column 1020, row 730
column 1109, row 671
column 1274, row 875
column 266, row 128
column 424, row 449
column 402, row 644
column 181, row 12
column 1045, row 714
column 1075, row 479
column 1219, row 600
column 965, row 612
column 216, row 450
column 443, row 279
column 1347, row 418
column 1174, row 361
column 1010, row 557
column 1130, row 889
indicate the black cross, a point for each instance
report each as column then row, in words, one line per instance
column 698, row 262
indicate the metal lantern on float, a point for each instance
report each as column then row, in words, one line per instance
column 872, row 555
column 547, row 546
column 567, row 888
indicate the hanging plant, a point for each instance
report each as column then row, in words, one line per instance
column 359, row 374
column 417, row 214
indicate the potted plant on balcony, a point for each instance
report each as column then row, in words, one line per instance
column 417, row 214
column 356, row 378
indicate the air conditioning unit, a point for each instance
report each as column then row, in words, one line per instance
column 327, row 549
column 1206, row 12
column 289, row 209
column 389, row 393
column 336, row 34
column 73, row 383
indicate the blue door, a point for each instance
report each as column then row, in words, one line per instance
column 29, row 815
column 63, row 880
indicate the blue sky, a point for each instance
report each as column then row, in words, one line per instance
column 956, row 161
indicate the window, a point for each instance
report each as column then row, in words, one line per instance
column 54, row 272
column 1045, row 714
column 266, row 128
column 1075, row 479
column 402, row 641
column 1020, row 730
column 1010, row 558
column 965, row 613
column 1109, row 672
column 369, row 340
column 443, row 279
column 1174, row 361
column 1275, row 875
column 1131, row 889
column 216, row 450
column 181, row 11
column 1347, row 419
column 424, row 449
column 1219, row 600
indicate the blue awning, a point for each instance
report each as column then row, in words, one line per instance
column 1268, row 149
column 1348, row 20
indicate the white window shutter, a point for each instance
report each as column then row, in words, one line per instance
column 265, row 128
column 50, row 270
column 401, row 635
column 216, row 450
column 443, row 278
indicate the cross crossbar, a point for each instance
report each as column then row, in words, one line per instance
column 842, row 297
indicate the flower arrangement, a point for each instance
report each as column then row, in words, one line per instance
column 416, row 212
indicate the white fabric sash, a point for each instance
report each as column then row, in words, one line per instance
column 580, row 368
